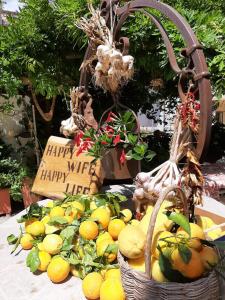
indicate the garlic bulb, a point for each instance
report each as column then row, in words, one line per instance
column 68, row 127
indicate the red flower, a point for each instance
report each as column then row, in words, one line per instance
column 109, row 118
column 85, row 146
column 79, row 151
column 104, row 143
column 123, row 157
column 77, row 138
column 87, row 139
column 116, row 140
column 109, row 129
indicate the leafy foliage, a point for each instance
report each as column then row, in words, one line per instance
column 11, row 176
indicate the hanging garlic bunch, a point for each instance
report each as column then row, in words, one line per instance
column 68, row 127
column 113, row 69
column 148, row 185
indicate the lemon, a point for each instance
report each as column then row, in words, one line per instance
column 209, row 257
column 45, row 219
column 45, row 259
column 196, row 234
column 36, row 228
column 69, row 219
column 91, row 285
column 26, row 241
column 193, row 269
column 115, row 227
column 101, row 250
column 74, row 271
column 102, row 216
column 132, row 242
column 134, row 222
column 103, row 236
column 57, row 211
column 127, row 215
column 77, row 210
column 93, row 205
column 88, row 230
column 157, row 274
column 29, row 222
column 137, row 264
column 113, row 273
column 112, row 289
column 163, row 239
column 40, row 246
column 58, row 269
column 52, row 243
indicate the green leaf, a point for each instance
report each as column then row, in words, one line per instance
column 168, row 271
column 180, row 220
column 18, row 241
column 68, row 232
column 33, row 260
column 12, row 239
column 132, row 138
column 185, row 253
column 58, row 221
column 112, row 248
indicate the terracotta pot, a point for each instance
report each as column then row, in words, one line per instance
column 113, row 169
column 5, row 204
column 28, row 196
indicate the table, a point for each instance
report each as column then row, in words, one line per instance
column 18, row 283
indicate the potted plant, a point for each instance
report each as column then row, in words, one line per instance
column 118, row 143
column 12, row 175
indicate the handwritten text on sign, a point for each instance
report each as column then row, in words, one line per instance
column 62, row 171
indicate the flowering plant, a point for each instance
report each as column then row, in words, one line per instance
column 118, row 131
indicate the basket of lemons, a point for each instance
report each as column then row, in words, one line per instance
column 165, row 256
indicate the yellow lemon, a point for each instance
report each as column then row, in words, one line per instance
column 52, row 243
column 45, row 259
column 112, row 289
column 113, row 273
column 157, row 274
column 77, row 210
column 91, row 285
column 127, row 215
column 137, row 263
column 102, row 250
column 29, row 222
column 74, row 271
column 132, row 242
column 88, row 230
column 134, row 222
column 103, row 236
column 115, row 227
column 40, row 246
column 93, row 205
column 193, row 269
column 45, row 219
column 102, row 216
column 196, row 234
column 57, row 211
column 69, row 219
column 58, row 269
column 163, row 239
column 209, row 257
column 36, row 228
column 26, row 241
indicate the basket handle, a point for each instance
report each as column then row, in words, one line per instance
column 162, row 196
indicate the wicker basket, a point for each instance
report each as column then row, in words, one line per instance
column 141, row 286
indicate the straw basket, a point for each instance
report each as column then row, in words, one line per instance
column 141, row 286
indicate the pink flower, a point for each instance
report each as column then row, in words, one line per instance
column 77, row 138
column 109, row 118
column 123, row 157
column 116, row 139
column 197, row 106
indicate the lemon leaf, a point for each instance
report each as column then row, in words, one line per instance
column 185, row 253
column 112, row 248
column 180, row 220
column 57, row 221
column 12, row 239
column 167, row 270
column 33, row 260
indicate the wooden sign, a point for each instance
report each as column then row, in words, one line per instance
column 62, row 172
column 221, row 107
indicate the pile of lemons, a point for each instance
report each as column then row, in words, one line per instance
column 183, row 252
column 96, row 234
